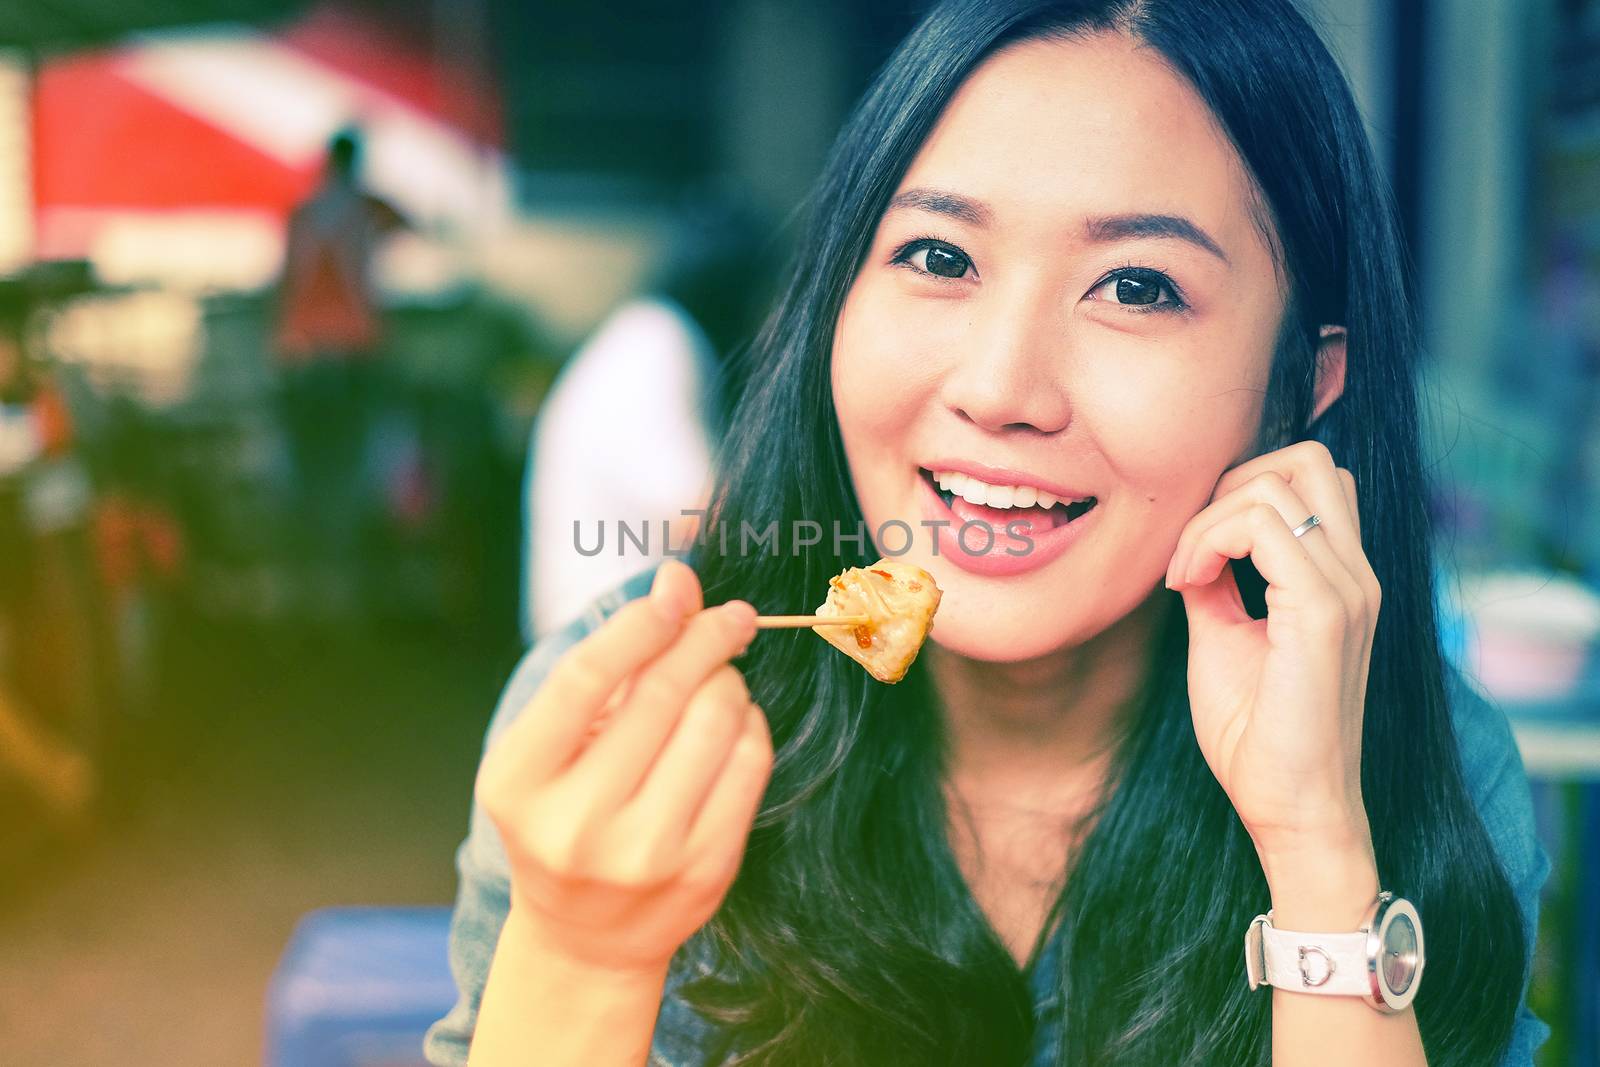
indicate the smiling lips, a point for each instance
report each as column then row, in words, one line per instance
column 1031, row 524
column 1001, row 504
column 1023, row 498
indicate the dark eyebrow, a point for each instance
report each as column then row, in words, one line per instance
column 1123, row 227
column 953, row 205
column 1104, row 229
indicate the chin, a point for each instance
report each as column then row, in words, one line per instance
column 987, row 644
column 1012, row 643
column 997, row 626
column 1016, row 620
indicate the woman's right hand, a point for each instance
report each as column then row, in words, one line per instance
column 623, row 846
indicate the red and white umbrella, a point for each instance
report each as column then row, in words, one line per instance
column 178, row 156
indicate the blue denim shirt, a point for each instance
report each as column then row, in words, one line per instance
column 1492, row 765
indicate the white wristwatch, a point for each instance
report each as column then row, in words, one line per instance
column 1381, row 962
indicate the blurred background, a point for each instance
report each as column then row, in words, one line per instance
column 307, row 308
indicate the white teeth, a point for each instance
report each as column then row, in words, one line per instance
column 973, row 491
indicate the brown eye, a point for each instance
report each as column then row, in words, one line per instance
column 1139, row 289
column 946, row 263
column 936, row 258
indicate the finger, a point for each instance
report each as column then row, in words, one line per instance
column 1330, row 492
column 1365, row 576
column 1347, row 482
column 602, row 718
column 676, row 586
column 1261, row 534
column 1309, row 468
column 1271, row 489
column 1240, row 498
column 611, row 768
column 555, row 723
column 724, row 820
column 1218, row 602
column 677, row 783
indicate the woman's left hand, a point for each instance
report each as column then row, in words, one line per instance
column 1278, row 702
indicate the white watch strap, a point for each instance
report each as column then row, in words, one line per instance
column 1316, row 963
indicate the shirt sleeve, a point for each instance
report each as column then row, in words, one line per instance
column 1498, row 783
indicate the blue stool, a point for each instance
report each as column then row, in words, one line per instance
column 358, row 987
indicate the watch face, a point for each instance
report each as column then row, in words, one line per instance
column 1399, row 954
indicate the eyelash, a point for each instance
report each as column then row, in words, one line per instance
column 1177, row 303
column 902, row 255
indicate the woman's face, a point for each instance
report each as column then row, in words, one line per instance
column 1068, row 294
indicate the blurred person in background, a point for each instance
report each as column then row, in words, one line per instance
column 328, row 337
column 650, row 390
column 47, row 662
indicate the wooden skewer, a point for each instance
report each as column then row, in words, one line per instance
column 777, row 622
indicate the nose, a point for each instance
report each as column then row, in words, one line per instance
column 1009, row 373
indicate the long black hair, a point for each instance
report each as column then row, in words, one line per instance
column 716, row 268
column 850, row 936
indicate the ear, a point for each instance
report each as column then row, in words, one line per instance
column 1330, row 370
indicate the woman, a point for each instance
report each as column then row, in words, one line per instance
column 48, row 712
column 1137, row 256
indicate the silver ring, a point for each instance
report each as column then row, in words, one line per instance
column 1311, row 521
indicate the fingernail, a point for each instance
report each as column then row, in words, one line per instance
column 742, row 614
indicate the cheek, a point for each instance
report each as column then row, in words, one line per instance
column 1169, row 426
column 880, row 377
